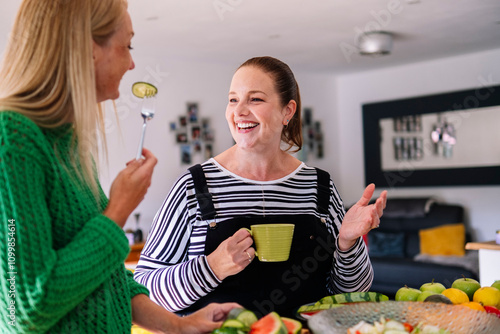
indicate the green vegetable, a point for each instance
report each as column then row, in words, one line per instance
column 246, row 317
column 228, row 330
column 144, row 89
column 233, row 323
column 353, row 297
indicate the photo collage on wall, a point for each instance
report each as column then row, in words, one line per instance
column 408, row 143
column 194, row 135
column 312, row 135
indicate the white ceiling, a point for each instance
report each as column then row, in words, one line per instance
column 308, row 35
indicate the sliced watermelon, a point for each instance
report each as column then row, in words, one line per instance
column 315, row 308
column 269, row 324
column 293, row 326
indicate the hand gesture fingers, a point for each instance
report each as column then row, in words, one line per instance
column 367, row 195
column 380, row 203
column 362, row 217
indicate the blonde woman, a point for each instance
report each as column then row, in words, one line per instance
column 63, row 245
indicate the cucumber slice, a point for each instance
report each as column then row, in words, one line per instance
column 144, row 89
column 246, row 317
column 228, row 330
column 353, row 297
column 233, row 323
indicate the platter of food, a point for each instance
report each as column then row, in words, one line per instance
column 454, row 319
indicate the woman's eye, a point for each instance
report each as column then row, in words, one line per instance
column 232, row 100
column 130, row 47
column 256, row 99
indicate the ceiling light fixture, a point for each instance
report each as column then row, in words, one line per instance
column 375, row 43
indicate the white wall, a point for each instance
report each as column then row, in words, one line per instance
column 431, row 77
column 207, row 84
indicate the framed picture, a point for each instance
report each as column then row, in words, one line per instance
column 208, row 151
column 205, row 124
column 197, row 146
column 195, row 132
column 186, row 154
column 183, row 121
column 182, row 137
column 436, row 140
column 307, row 117
column 192, row 111
column 319, row 150
column 173, row 126
column 208, row 135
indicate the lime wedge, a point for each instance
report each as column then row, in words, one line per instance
column 144, row 89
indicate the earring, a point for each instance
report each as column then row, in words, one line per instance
column 286, row 125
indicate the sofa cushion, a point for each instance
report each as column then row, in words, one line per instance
column 443, row 240
column 439, row 214
column 412, row 247
column 383, row 244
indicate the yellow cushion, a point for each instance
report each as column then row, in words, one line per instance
column 443, row 240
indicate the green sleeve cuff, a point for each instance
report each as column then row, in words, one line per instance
column 134, row 287
column 113, row 234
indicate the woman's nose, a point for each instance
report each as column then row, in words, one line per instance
column 132, row 64
column 241, row 109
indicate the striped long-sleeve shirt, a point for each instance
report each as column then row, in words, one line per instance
column 173, row 265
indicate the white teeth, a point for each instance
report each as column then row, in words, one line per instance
column 246, row 125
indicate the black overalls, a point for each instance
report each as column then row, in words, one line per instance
column 272, row 286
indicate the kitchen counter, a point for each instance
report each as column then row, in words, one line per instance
column 489, row 261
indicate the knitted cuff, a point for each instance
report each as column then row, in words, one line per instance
column 134, row 287
column 113, row 234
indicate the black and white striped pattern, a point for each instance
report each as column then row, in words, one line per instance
column 172, row 265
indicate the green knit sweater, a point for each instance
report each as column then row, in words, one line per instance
column 61, row 260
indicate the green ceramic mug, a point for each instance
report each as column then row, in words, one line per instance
column 272, row 241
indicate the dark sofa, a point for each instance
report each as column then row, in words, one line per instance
column 399, row 227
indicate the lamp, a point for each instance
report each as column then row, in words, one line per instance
column 375, row 43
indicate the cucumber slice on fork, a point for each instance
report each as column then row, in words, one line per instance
column 144, row 89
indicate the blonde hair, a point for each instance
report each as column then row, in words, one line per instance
column 48, row 72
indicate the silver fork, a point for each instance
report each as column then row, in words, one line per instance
column 147, row 112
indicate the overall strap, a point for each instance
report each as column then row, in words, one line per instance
column 203, row 197
column 323, row 191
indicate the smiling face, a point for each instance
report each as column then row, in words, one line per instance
column 112, row 60
column 255, row 113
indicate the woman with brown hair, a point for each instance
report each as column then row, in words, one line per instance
column 197, row 251
column 64, row 248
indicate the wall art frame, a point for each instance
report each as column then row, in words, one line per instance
column 465, row 102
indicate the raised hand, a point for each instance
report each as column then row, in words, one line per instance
column 130, row 187
column 361, row 217
column 233, row 255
